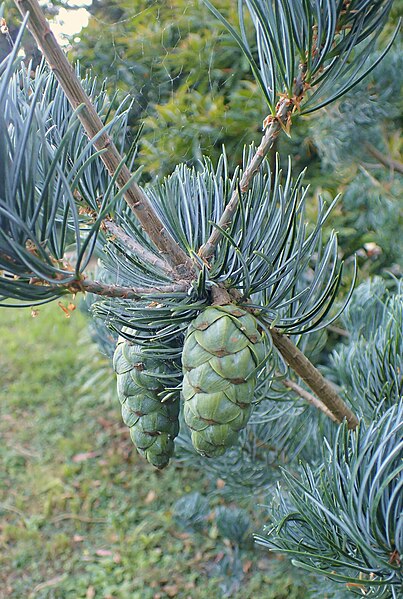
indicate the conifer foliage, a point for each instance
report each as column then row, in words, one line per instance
column 216, row 283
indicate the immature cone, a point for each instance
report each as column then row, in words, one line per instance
column 221, row 352
column 149, row 411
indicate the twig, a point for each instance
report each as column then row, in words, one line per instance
column 317, row 403
column 285, row 108
column 387, row 161
column 124, row 292
column 338, row 331
column 134, row 195
column 313, row 378
column 116, row 231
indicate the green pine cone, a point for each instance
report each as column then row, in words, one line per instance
column 150, row 412
column 222, row 349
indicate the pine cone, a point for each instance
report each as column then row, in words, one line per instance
column 148, row 409
column 222, row 349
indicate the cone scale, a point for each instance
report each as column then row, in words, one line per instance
column 221, row 353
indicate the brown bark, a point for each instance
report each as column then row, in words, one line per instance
column 136, row 248
column 124, row 292
column 313, row 378
column 314, row 401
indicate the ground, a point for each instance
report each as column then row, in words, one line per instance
column 81, row 514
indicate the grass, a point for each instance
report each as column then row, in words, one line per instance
column 82, row 515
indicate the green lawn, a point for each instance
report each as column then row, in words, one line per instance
column 81, row 514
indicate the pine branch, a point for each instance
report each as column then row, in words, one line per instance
column 275, row 124
column 139, row 203
column 134, row 196
column 387, row 161
column 331, row 65
column 313, row 378
column 314, row 401
column 119, row 291
column 343, row 520
column 116, row 231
